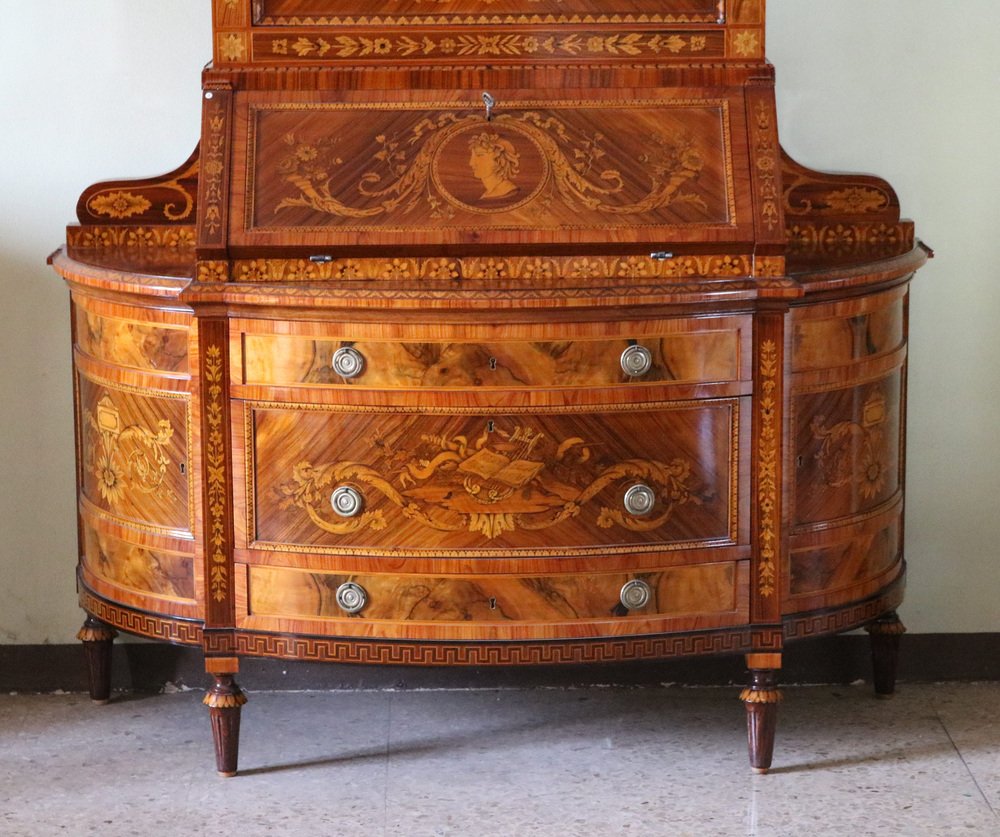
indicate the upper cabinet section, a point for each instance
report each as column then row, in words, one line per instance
column 490, row 32
column 487, row 140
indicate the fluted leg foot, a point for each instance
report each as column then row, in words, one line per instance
column 224, row 701
column 761, row 698
column 98, row 639
column 884, row 634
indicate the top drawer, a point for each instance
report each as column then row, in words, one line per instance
column 692, row 352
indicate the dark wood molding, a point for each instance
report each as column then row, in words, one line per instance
column 146, row 667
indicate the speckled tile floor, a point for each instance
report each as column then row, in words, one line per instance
column 553, row 762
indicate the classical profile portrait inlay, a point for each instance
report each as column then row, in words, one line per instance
column 494, row 161
column 489, row 169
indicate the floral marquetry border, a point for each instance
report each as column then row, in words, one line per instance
column 746, row 43
column 231, row 19
column 214, row 183
column 840, row 240
column 765, row 146
column 452, row 19
column 769, row 267
column 379, row 45
column 217, row 486
column 488, row 268
column 110, row 237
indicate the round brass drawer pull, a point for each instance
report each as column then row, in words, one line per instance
column 637, row 361
column 636, row 594
column 351, row 597
column 347, row 502
column 639, row 500
column 348, row 362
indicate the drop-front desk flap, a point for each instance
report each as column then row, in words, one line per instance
column 331, row 170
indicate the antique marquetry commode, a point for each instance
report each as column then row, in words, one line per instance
column 490, row 332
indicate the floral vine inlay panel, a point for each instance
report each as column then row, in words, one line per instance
column 470, row 482
column 533, row 166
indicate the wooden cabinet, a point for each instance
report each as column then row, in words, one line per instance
column 469, row 340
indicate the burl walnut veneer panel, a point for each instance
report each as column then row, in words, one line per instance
column 849, row 331
column 703, row 357
column 704, row 590
column 844, row 563
column 148, row 571
column 132, row 343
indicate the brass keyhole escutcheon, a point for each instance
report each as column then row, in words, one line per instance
column 490, row 103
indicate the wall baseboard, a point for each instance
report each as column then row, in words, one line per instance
column 146, row 667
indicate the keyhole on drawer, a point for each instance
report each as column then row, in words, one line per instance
column 493, row 604
column 184, row 469
column 490, row 426
column 493, row 363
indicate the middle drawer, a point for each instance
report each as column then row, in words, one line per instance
column 389, row 483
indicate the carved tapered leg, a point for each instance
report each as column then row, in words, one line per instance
column 761, row 698
column 884, row 634
column 98, row 640
column 224, row 701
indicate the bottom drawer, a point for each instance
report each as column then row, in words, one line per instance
column 472, row 606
